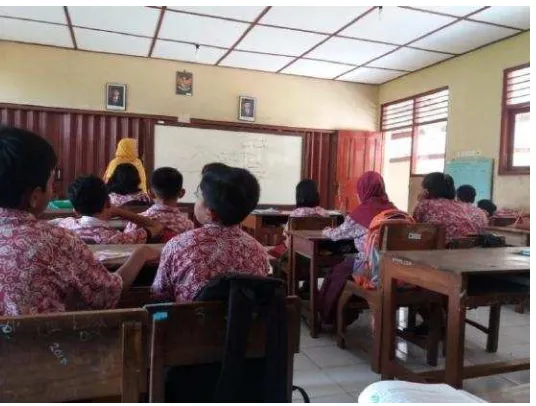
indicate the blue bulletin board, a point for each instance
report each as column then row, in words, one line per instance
column 477, row 172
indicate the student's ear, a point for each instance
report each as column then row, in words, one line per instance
column 181, row 193
column 37, row 201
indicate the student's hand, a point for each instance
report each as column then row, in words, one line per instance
column 147, row 253
column 156, row 230
column 111, row 212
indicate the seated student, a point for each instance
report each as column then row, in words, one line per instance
column 190, row 260
column 213, row 166
column 47, row 269
column 466, row 195
column 123, row 186
column 487, row 206
column 89, row 197
column 166, row 184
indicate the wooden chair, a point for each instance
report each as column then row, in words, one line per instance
column 73, row 356
column 394, row 237
column 194, row 334
column 135, row 297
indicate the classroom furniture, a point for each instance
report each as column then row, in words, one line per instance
column 73, row 356
column 502, row 221
column 135, row 297
column 115, row 255
column 469, row 278
column 514, row 236
column 50, row 214
column 356, row 298
column 474, row 171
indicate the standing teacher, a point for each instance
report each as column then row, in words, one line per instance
column 127, row 153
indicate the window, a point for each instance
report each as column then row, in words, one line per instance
column 416, row 129
column 514, row 156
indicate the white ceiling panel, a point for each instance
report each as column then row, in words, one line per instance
column 110, row 42
column 371, row 75
column 395, row 25
column 52, row 14
column 463, row 36
column 458, row 11
column 131, row 20
column 408, row 59
column 186, row 52
column 244, row 13
column 513, row 16
column 39, row 33
column 201, row 30
column 349, row 50
column 279, row 41
column 316, row 69
column 321, row 19
column 248, row 60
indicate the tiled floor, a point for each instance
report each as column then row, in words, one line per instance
column 332, row 375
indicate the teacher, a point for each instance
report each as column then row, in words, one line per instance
column 127, row 153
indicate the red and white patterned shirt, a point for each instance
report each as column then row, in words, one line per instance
column 47, row 269
column 119, row 200
column 190, row 260
column 350, row 229
column 94, row 231
column 169, row 217
column 478, row 216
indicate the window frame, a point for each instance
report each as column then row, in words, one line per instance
column 508, row 113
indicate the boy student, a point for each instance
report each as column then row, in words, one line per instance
column 466, row 195
column 189, row 261
column 89, row 197
column 46, row 269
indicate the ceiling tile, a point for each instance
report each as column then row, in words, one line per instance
column 109, row 42
column 316, row 69
column 279, row 41
column 514, row 16
column 349, row 50
column 408, row 59
column 371, row 75
column 38, row 33
column 186, row 52
column 463, row 36
column 244, row 13
column 395, row 25
column 321, row 19
column 132, row 20
column 459, row 11
column 52, row 14
column 248, row 60
column 201, row 30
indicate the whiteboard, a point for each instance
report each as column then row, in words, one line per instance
column 477, row 172
column 275, row 160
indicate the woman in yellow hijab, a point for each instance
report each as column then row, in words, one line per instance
column 127, row 153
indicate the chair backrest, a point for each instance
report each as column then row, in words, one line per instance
column 311, row 223
column 73, row 356
column 502, row 221
column 411, row 237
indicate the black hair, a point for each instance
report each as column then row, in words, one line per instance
column 488, row 206
column 125, row 180
column 231, row 193
column 88, row 194
column 213, row 167
column 439, row 185
column 26, row 161
column 466, row 194
column 307, row 194
column 166, row 183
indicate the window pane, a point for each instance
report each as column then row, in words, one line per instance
column 521, row 155
column 429, row 152
column 398, row 144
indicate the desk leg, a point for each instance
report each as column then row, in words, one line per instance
column 456, row 335
column 313, row 296
column 291, row 288
column 388, row 326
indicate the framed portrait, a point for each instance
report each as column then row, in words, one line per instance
column 116, row 96
column 184, row 83
column 246, row 108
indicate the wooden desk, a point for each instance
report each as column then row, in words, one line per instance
column 311, row 244
column 126, row 249
column 517, row 237
column 57, row 214
column 450, row 272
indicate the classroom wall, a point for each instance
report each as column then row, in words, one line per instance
column 475, row 83
column 47, row 76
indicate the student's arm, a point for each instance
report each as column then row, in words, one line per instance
column 348, row 229
column 154, row 228
column 130, row 269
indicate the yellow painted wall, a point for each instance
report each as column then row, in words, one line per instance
column 475, row 83
column 55, row 77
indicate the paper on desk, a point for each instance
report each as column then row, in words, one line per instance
column 261, row 211
column 110, row 254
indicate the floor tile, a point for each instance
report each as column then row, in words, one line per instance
column 519, row 377
column 486, row 384
column 303, row 363
column 341, row 397
column 316, row 384
column 353, row 378
column 327, row 357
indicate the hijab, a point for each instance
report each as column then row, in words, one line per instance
column 373, row 198
column 127, row 153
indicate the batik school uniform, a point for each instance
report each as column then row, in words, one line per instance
column 305, row 212
column 477, row 215
column 190, row 260
column 350, row 229
column 95, row 231
column 120, row 200
column 171, row 218
column 47, row 269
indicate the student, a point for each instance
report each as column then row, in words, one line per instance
column 466, row 195
column 487, row 206
column 47, row 269
column 166, row 185
column 127, row 153
column 123, row 186
column 190, row 260
column 89, row 197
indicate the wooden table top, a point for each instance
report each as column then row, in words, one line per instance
column 284, row 213
column 314, row 235
column 116, row 255
column 509, row 229
column 468, row 261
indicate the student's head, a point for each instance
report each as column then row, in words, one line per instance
column 371, row 186
column 27, row 164
column 488, row 206
column 166, row 184
column 88, row 195
column 307, row 194
column 437, row 185
column 226, row 196
column 125, row 180
column 213, row 167
column 466, row 194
